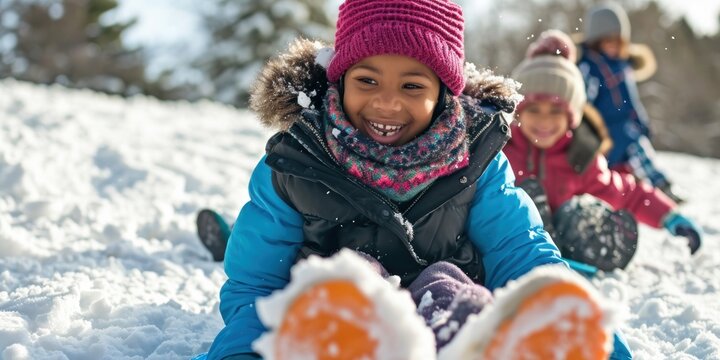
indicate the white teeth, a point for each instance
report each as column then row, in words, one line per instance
column 383, row 133
column 385, row 130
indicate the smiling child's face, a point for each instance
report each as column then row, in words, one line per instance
column 390, row 98
column 612, row 46
column 544, row 123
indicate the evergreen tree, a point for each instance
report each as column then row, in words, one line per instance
column 245, row 34
column 64, row 41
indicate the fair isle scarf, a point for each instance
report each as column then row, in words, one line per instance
column 398, row 172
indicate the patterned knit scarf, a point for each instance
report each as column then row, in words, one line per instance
column 398, row 172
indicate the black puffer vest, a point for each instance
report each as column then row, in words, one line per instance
column 341, row 212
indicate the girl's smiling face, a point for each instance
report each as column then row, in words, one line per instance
column 544, row 122
column 390, row 98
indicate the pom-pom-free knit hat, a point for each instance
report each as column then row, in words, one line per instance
column 548, row 74
column 606, row 20
column 430, row 31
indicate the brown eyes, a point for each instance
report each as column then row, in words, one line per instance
column 407, row 86
column 367, row 81
column 413, row 86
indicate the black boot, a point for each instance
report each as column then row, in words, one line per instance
column 213, row 232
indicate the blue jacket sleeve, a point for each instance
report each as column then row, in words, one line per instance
column 621, row 350
column 505, row 226
column 262, row 248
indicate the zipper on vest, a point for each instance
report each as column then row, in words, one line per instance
column 409, row 238
column 477, row 136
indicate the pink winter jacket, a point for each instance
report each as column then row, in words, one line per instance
column 562, row 182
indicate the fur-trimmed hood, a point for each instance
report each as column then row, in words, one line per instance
column 297, row 80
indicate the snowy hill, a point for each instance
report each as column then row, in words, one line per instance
column 99, row 257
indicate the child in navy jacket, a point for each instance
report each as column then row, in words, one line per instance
column 611, row 75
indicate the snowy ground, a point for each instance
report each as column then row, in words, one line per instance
column 98, row 254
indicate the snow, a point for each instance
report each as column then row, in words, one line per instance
column 99, row 257
column 426, row 301
column 304, row 100
column 401, row 329
column 324, row 56
column 98, row 196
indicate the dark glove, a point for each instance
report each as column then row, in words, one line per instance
column 679, row 225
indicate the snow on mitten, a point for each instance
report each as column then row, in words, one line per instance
column 549, row 313
column 341, row 308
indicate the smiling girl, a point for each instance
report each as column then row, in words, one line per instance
column 397, row 158
column 556, row 153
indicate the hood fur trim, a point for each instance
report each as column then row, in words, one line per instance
column 295, row 80
column 643, row 61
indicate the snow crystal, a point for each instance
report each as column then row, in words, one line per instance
column 409, row 230
column 323, row 57
column 394, row 280
column 448, row 330
column 333, row 349
column 303, row 100
column 425, row 301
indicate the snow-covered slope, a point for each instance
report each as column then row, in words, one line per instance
column 99, row 257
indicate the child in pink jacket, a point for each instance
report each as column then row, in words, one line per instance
column 556, row 154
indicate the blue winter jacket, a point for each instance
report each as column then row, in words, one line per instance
column 268, row 235
column 611, row 88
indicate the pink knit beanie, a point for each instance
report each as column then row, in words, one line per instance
column 549, row 74
column 553, row 42
column 430, row 31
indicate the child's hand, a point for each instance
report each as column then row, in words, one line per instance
column 679, row 225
